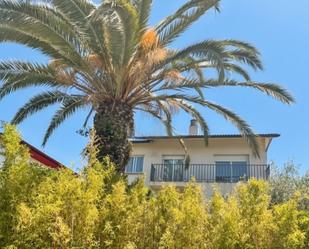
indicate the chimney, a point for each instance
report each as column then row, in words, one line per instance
column 193, row 129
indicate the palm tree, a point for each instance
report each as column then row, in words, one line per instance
column 105, row 58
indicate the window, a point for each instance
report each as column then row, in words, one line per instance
column 135, row 164
column 231, row 168
column 173, row 168
column 223, row 171
column 231, row 171
column 239, row 171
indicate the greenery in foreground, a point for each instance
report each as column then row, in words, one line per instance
column 42, row 208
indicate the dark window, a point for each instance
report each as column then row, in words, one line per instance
column 239, row 171
column 231, row 171
column 173, row 169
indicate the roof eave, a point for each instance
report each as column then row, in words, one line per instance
column 147, row 139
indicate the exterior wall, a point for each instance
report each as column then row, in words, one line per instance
column 207, row 187
column 154, row 152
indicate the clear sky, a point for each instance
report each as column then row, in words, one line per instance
column 278, row 28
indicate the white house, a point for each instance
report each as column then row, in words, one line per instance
column 227, row 160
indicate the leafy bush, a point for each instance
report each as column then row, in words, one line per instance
column 42, row 208
column 286, row 181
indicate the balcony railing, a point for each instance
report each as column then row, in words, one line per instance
column 208, row 172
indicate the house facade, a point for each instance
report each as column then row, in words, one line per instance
column 226, row 161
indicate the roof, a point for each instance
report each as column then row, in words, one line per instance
column 41, row 157
column 146, row 139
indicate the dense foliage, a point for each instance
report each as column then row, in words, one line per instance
column 41, row 208
column 104, row 57
column 284, row 182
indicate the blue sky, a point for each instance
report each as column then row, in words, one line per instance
column 278, row 28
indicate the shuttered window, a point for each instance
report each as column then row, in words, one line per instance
column 135, row 164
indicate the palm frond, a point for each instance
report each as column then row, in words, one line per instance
column 198, row 116
column 241, row 45
column 184, row 84
column 18, row 75
column 247, row 57
column 242, row 126
column 68, row 108
column 164, row 119
column 174, row 25
column 88, row 117
column 143, row 8
column 194, row 66
column 212, row 51
column 18, row 35
column 38, row 103
column 189, row 64
column 42, row 21
column 234, row 68
column 114, row 42
column 122, row 15
column 271, row 89
column 204, row 64
column 79, row 12
column 221, row 55
column 76, row 10
column 12, row 67
column 167, row 121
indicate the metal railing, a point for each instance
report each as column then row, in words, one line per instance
column 207, row 173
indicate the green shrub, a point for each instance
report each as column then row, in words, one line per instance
column 42, row 208
column 286, row 181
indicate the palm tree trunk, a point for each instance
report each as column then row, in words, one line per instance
column 114, row 124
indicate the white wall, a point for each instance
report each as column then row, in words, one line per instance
column 207, row 187
column 154, row 151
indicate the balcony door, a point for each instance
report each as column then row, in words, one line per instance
column 231, row 168
column 173, row 168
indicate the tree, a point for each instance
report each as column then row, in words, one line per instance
column 283, row 182
column 19, row 176
column 105, row 58
column 286, row 182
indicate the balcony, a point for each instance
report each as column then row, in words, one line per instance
column 208, row 172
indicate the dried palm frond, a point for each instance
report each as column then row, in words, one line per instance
column 95, row 60
column 173, row 76
column 56, row 64
column 156, row 56
column 149, row 40
column 66, row 78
